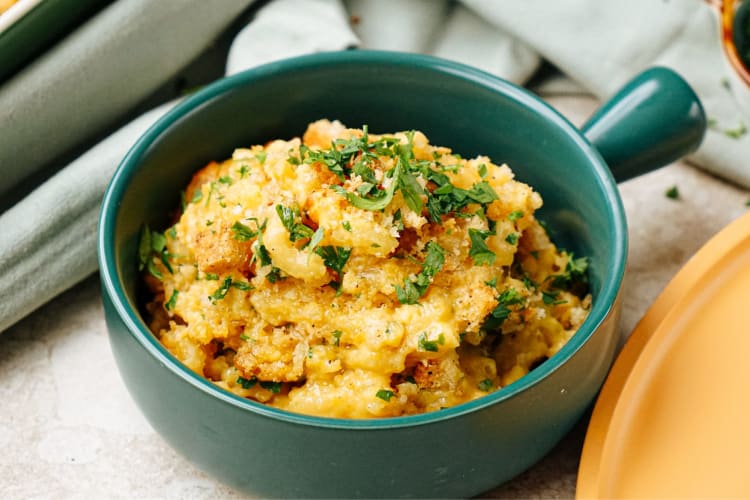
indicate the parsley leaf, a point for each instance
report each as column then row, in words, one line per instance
column 413, row 289
column 550, row 298
column 384, row 394
column 334, row 257
column 242, row 285
column 228, row 283
column 485, row 385
column 515, row 215
column 479, row 252
column 337, row 337
column 169, row 305
column 221, row 292
column 152, row 244
column 315, row 240
column 289, row 218
column 274, row 387
column 672, row 193
column 736, row 133
column 500, row 313
column 247, row 383
column 274, row 275
column 144, row 248
column 241, row 232
column 260, row 251
column 425, row 344
column 380, row 200
column 574, row 276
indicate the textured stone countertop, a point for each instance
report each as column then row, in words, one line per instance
column 68, row 427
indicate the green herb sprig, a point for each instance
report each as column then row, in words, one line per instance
column 415, row 288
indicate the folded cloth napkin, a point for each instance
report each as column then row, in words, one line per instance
column 96, row 74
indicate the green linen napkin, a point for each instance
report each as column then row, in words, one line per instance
column 99, row 72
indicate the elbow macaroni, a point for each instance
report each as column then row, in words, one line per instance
column 396, row 278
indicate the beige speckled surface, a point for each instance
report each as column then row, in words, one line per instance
column 68, row 428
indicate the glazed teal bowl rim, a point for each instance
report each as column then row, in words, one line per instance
column 603, row 304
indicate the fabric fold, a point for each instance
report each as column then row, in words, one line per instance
column 49, row 238
column 96, row 74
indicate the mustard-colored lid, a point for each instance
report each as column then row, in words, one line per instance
column 673, row 417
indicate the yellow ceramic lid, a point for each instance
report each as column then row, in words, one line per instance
column 673, row 417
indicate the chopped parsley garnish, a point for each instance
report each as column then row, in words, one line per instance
column 226, row 180
column 197, row 196
column 485, row 385
column 550, row 298
column 413, row 289
column 274, row 387
column 347, row 226
column 261, row 157
column 528, row 282
column 242, row 285
column 479, row 252
column 247, row 383
column 492, row 282
column 384, row 394
column 222, row 291
column 482, row 169
column 574, row 275
column 334, row 259
column 515, row 215
column 275, row 274
column 260, row 252
column 242, row 171
column 337, row 337
column 353, row 157
column 672, row 193
column 737, row 132
column 244, row 337
column 169, row 305
column 228, row 283
column 295, row 160
column 152, row 244
column 315, row 240
column 291, row 218
column 447, row 198
column 398, row 220
column 241, row 232
column 377, row 201
column 512, row 238
column 211, row 276
column 425, row 344
column 500, row 313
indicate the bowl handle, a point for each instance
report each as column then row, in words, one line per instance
column 653, row 120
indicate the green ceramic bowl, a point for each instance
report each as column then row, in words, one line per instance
column 456, row 452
